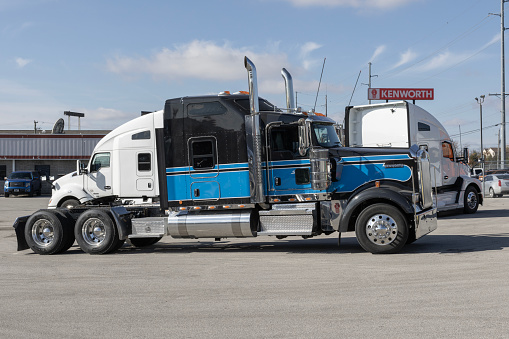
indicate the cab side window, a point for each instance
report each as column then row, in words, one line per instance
column 100, row 160
column 447, row 151
column 284, row 143
column 202, row 153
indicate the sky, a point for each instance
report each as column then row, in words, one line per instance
column 113, row 59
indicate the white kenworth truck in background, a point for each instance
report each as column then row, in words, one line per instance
column 234, row 165
column 402, row 124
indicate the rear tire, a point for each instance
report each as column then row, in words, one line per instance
column 46, row 232
column 144, row 242
column 471, row 200
column 381, row 229
column 492, row 193
column 96, row 233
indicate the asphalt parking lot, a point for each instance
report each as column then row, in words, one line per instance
column 452, row 283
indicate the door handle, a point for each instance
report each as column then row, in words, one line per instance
column 107, row 187
column 196, row 192
column 277, row 181
column 446, row 177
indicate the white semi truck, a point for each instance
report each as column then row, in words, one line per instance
column 234, row 165
column 401, row 124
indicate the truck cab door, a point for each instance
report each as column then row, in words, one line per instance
column 449, row 165
column 99, row 176
column 288, row 171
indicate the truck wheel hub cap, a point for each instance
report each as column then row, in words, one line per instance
column 93, row 231
column 42, row 232
column 381, row 229
column 471, row 199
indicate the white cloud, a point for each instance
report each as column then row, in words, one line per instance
column 381, row 4
column 305, row 51
column 379, row 50
column 443, row 60
column 21, row 62
column 405, row 58
column 198, row 59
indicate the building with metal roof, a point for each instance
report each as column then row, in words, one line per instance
column 51, row 154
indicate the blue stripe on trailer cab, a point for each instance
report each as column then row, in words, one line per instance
column 221, row 182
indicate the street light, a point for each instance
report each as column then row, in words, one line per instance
column 480, row 100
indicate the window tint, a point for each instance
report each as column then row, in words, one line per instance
column 141, row 136
column 202, row 153
column 144, row 163
column 20, row 175
column 285, row 139
column 302, row 176
column 100, row 160
column 489, row 178
column 263, row 105
column 206, row 108
column 503, row 176
column 423, row 127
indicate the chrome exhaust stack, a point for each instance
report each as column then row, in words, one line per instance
column 253, row 137
column 289, row 89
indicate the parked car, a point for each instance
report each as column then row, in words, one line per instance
column 23, row 182
column 496, row 185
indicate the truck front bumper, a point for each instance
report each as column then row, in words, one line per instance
column 17, row 190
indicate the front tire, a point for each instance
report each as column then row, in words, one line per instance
column 381, row 229
column 46, row 232
column 471, row 201
column 96, row 233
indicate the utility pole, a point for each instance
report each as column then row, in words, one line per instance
column 371, row 76
column 480, row 100
column 502, row 92
column 461, row 146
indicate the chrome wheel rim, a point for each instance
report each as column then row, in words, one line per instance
column 471, row 200
column 381, row 229
column 43, row 233
column 93, row 231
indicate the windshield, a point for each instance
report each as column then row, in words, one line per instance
column 20, row 175
column 325, row 135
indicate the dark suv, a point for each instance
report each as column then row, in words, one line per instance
column 23, row 182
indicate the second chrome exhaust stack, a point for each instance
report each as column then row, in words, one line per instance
column 290, row 102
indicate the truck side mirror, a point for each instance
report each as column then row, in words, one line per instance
column 82, row 169
column 303, row 140
column 465, row 154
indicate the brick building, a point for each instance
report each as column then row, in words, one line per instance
column 51, row 154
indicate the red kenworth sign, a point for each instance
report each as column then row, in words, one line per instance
column 401, row 94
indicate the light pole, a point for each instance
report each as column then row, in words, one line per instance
column 480, row 100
